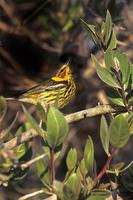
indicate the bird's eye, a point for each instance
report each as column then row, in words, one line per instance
column 62, row 73
column 61, row 70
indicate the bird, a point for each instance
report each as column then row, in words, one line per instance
column 58, row 90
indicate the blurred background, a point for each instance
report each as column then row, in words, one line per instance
column 36, row 37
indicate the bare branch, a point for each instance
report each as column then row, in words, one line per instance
column 29, row 163
column 91, row 112
column 31, row 195
column 26, row 136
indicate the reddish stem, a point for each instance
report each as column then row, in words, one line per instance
column 103, row 170
column 52, row 166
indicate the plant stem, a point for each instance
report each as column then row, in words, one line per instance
column 31, row 195
column 52, row 165
column 91, row 112
column 103, row 170
column 32, row 161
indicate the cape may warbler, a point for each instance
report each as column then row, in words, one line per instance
column 60, row 88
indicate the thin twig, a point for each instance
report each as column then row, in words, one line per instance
column 26, row 136
column 124, row 44
column 103, row 170
column 31, row 195
column 9, row 29
column 52, row 166
column 29, row 163
column 35, row 12
column 9, row 9
column 4, row 132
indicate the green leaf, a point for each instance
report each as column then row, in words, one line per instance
column 43, row 172
column 24, row 127
column 21, row 150
column 91, row 31
column 68, row 25
column 113, row 41
column 104, row 134
column 82, row 167
column 119, row 131
column 89, row 156
column 105, row 75
column 72, row 187
column 3, row 108
column 107, row 28
column 6, row 164
column 8, row 129
column 117, row 101
column 130, row 99
column 41, row 113
column 114, row 97
column 57, row 127
column 125, row 179
column 118, row 166
column 108, row 57
column 71, row 159
column 122, row 60
column 33, row 123
column 58, row 189
column 130, row 122
column 47, row 149
column 18, row 174
column 4, row 179
column 124, row 66
column 131, row 66
column 98, row 194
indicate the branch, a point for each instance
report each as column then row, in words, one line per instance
column 91, row 112
column 31, row 194
column 29, row 163
column 99, row 110
column 26, row 136
column 52, row 167
column 103, row 170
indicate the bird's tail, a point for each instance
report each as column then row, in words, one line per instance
column 10, row 99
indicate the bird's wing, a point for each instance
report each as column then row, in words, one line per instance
column 43, row 87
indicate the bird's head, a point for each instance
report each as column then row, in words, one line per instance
column 63, row 74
